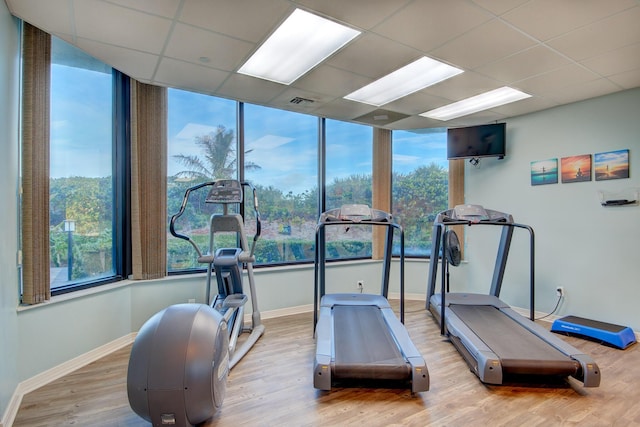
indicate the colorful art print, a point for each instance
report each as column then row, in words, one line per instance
column 544, row 172
column 611, row 165
column 576, row 168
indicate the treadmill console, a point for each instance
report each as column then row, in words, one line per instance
column 355, row 212
column 473, row 213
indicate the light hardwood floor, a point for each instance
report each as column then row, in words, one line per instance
column 272, row 386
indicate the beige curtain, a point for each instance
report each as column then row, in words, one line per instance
column 381, row 182
column 456, row 194
column 36, row 86
column 148, row 180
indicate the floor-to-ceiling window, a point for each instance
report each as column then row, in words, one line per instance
column 81, row 226
column 281, row 160
column 202, row 147
column 349, row 162
column 420, row 184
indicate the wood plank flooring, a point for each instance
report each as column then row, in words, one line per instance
column 272, row 386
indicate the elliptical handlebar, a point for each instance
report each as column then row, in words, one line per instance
column 185, row 201
column 257, row 214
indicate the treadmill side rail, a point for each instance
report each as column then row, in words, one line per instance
column 590, row 370
column 480, row 358
column 419, row 372
column 324, row 338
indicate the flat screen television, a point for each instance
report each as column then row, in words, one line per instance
column 476, row 141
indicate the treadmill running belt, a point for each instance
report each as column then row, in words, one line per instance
column 520, row 351
column 364, row 347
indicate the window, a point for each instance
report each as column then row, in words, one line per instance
column 202, row 144
column 81, row 198
column 349, row 161
column 420, row 184
column 281, row 160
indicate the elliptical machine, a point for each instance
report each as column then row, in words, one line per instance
column 182, row 355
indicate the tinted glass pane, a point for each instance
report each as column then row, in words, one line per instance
column 420, row 184
column 81, row 185
column 349, row 154
column 281, row 158
column 202, row 143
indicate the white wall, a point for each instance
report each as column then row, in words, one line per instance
column 9, row 55
column 591, row 250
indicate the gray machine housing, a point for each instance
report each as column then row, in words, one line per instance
column 358, row 336
column 179, row 362
column 181, row 356
column 495, row 340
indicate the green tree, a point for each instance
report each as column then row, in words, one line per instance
column 219, row 159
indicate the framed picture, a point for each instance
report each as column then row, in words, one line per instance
column 576, row 168
column 611, row 165
column 544, row 172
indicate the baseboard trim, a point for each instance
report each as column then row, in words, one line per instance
column 59, row 371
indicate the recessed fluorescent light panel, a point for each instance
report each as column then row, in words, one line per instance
column 299, row 44
column 484, row 101
column 411, row 78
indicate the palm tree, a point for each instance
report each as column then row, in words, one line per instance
column 219, row 161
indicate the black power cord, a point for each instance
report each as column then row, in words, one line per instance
column 554, row 309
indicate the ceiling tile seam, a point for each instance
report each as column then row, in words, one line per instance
column 167, row 40
column 547, row 46
column 391, row 15
column 72, row 16
column 132, row 9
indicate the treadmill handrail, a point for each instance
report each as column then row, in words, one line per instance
column 320, row 256
column 443, row 225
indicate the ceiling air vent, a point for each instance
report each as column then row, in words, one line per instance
column 301, row 101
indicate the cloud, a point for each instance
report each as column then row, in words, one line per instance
column 193, row 130
column 268, row 142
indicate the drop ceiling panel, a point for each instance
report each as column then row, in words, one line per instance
column 556, row 80
column 246, row 20
column 120, row 26
column 627, row 80
column 343, row 108
column 426, row 25
column 416, row 103
column 332, row 81
column 525, row 105
column 416, row 122
column 361, row 14
column 591, row 89
column 56, row 17
column 218, row 51
column 612, row 33
column 530, row 62
column 138, row 65
column 463, row 86
column 497, row 42
column 483, row 44
column 499, row 7
column 616, row 61
column 166, row 8
column 184, row 75
column 546, row 19
column 250, row 89
column 373, row 56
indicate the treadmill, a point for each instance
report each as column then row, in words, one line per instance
column 359, row 339
column 498, row 344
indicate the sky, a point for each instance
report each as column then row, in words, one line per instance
column 282, row 143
